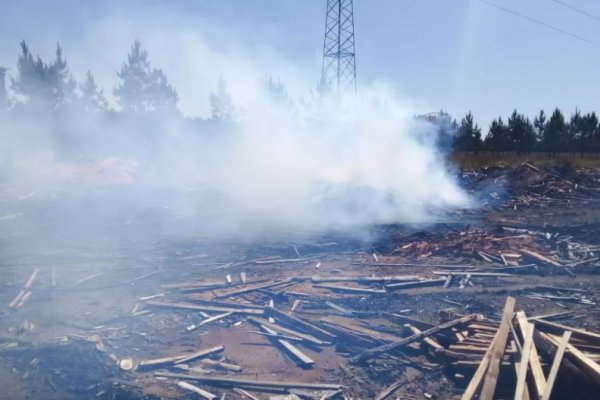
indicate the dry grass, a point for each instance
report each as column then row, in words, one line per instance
column 472, row 160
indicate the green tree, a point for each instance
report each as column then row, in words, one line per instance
column 555, row 132
column 92, row 98
column 589, row 130
column 143, row 88
column 276, row 91
column 221, row 104
column 42, row 85
column 498, row 137
column 539, row 124
column 521, row 133
column 4, row 103
column 468, row 136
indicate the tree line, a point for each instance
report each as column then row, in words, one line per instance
column 554, row 134
column 49, row 87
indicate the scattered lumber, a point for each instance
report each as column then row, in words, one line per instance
column 250, row 288
column 562, row 346
column 348, row 289
column 534, row 360
column 161, row 362
column 249, row 384
column 221, row 364
column 364, row 279
column 521, row 391
column 554, row 327
column 288, row 331
column 197, row 390
column 494, row 353
column 300, row 358
column 367, row 354
column 206, row 308
column 540, row 257
column 422, row 283
column 25, row 292
column 473, row 273
column 300, row 324
column 388, row 391
column 578, row 358
column 209, row 320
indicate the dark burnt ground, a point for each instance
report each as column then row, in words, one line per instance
column 65, row 340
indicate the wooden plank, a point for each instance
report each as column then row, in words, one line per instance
column 564, row 341
column 24, row 293
column 200, row 354
column 388, row 391
column 537, row 372
column 159, row 362
column 409, row 285
column 361, row 330
column 540, row 257
column 199, row 307
column 497, row 352
column 521, row 388
column 197, row 390
column 578, row 358
column 251, row 288
column 348, row 289
column 247, row 383
column 245, row 394
column 288, row 331
column 367, row 279
column 576, row 333
column 300, row 324
column 402, row 319
column 208, row 320
column 301, row 358
column 472, row 273
column 477, row 378
column 221, row 364
column 429, row 341
column 367, row 354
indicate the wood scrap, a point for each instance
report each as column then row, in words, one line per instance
column 197, row 390
column 367, row 354
column 556, row 365
column 247, row 383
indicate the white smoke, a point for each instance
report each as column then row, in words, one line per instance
column 309, row 162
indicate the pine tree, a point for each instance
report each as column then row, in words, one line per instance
column 62, row 83
column 589, row 129
column 92, row 98
column 277, row 92
column 575, row 135
column 555, row 132
column 3, row 95
column 520, row 130
column 539, row 124
column 41, row 85
column 143, row 88
column 498, row 137
column 221, row 105
column 468, row 137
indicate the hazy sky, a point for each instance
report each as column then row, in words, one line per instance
column 442, row 54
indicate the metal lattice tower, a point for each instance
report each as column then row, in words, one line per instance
column 339, row 68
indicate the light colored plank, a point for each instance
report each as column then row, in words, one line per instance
column 497, row 352
column 539, row 379
column 197, row 390
column 564, row 341
column 524, row 363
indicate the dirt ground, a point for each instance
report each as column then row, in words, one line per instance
column 88, row 307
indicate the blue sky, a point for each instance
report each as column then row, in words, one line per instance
column 456, row 55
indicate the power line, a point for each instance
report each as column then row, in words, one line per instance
column 577, row 10
column 538, row 22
